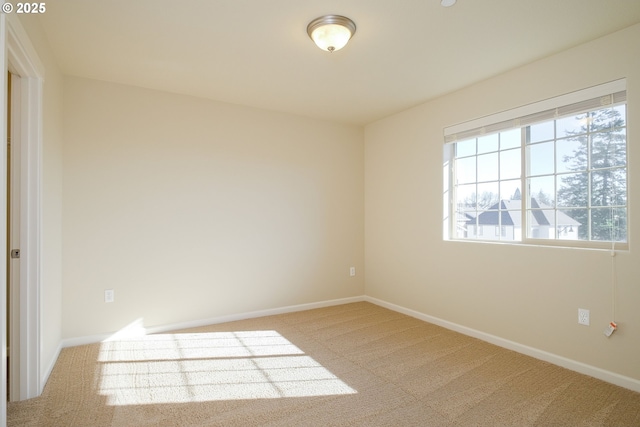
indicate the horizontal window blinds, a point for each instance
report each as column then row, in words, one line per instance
column 593, row 98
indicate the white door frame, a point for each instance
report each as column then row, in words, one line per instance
column 13, row 237
column 19, row 55
column 3, row 230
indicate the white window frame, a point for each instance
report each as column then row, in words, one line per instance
column 589, row 99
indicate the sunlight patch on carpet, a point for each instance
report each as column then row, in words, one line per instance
column 197, row 367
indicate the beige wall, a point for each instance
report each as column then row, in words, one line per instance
column 192, row 209
column 51, row 197
column 529, row 295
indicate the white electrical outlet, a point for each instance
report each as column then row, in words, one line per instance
column 583, row 316
column 109, row 295
column 352, row 271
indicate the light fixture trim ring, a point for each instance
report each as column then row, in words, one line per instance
column 331, row 20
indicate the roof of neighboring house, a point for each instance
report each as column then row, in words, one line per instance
column 510, row 214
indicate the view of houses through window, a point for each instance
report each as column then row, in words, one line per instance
column 564, row 178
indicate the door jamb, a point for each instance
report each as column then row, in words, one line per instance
column 22, row 57
column 13, row 238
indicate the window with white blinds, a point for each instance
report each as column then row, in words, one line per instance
column 553, row 172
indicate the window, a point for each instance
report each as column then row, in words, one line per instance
column 554, row 172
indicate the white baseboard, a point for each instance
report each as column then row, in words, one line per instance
column 583, row 368
column 91, row 339
column 47, row 373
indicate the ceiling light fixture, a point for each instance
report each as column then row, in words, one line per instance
column 331, row 32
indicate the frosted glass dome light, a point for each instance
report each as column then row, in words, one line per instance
column 331, row 32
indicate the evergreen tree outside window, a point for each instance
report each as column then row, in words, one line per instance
column 591, row 170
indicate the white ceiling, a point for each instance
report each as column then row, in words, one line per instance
column 257, row 52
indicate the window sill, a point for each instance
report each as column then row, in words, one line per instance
column 561, row 244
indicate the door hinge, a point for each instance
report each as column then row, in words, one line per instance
column 15, row 253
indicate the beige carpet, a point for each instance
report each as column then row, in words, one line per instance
column 349, row 365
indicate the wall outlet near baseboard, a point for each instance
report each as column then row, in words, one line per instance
column 583, row 316
column 352, row 271
column 109, row 295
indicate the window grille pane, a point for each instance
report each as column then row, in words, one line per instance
column 619, row 224
column 510, row 138
column 540, row 158
column 540, row 132
column 621, row 115
column 571, row 155
column 466, row 197
column 488, row 167
column 571, row 126
column 466, row 148
column 619, row 196
column 464, row 227
column 573, row 190
column 568, row 227
column 541, row 224
column 603, row 224
column 607, row 119
column 487, row 195
column 512, row 227
column 465, row 170
column 541, row 189
column 510, row 190
column 581, row 217
column 510, row 164
column 604, row 186
column 488, row 143
column 609, row 148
